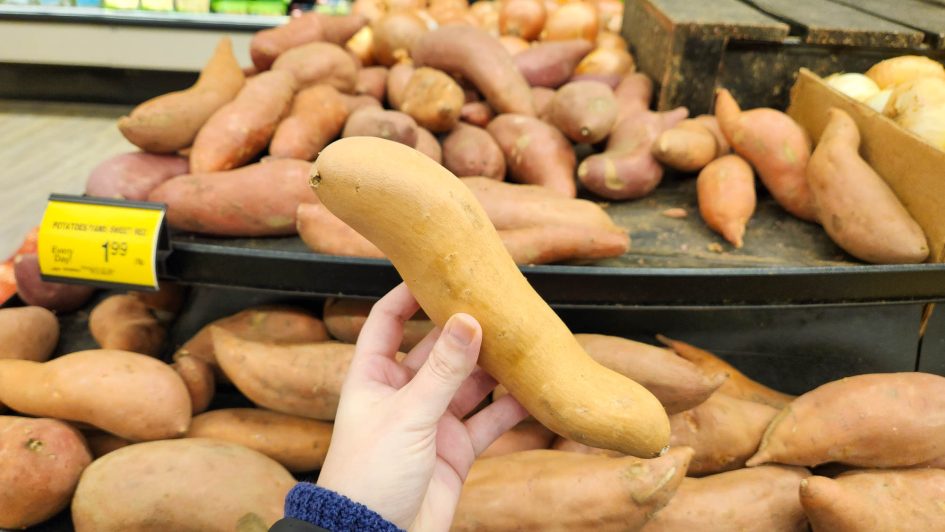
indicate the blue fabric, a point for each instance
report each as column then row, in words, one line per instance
column 333, row 511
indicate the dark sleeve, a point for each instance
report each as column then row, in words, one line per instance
column 331, row 511
column 294, row 525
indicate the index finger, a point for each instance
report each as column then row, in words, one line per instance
column 384, row 327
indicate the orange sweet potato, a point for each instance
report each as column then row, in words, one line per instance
column 316, row 118
column 269, row 44
column 372, row 81
column 397, row 78
column 578, row 20
column 353, row 103
column 124, row 322
column 480, row 59
column 375, row 122
column 478, row 114
column 844, row 421
column 170, row 122
column 57, row 297
column 856, row 207
column 535, row 152
column 394, row 36
column 471, row 151
column 344, row 318
column 165, row 303
column 547, row 244
column 522, row 18
column 543, row 97
column 726, row 194
column 133, row 175
column 28, row 333
column 320, row 63
column 585, row 111
column 776, row 146
column 688, row 146
column 513, row 206
column 198, row 377
column 323, row 232
column 526, row 436
column 428, row 145
column 551, row 64
column 257, row 200
column 239, row 130
column 633, row 94
column 433, row 99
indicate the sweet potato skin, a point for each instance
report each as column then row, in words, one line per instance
column 428, row 145
column 478, row 114
column 551, row 64
column 376, row 122
column 320, row 63
column 688, row 146
column 58, row 297
column 269, row 44
column 317, row 115
column 514, row 206
column 585, row 111
column 548, row 244
column 433, row 99
column 133, row 175
column 397, row 78
column 28, row 333
column 323, row 232
column 125, row 323
column 526, row 436
column 198, row 378
column 471, row 151
column 535, row 152
column 344, row 318
column 725, row 190
column 373, row 82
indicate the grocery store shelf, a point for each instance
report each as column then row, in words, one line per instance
column 153, row 19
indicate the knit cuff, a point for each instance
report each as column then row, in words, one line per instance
column 333, row 511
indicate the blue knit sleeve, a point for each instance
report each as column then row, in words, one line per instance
column 333, row 511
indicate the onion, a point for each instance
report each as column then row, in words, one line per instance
column 879, row 100
column 928, row 123
column 856, row 86
column 606, row 39
column 903, row 69
column 572, row 21
column 522, row 18
column 487, row 13
column 361, row 44
column 606, row 62
column 404, row 5
column 915, row 96
column 424, row 15
column 611, row 15
column 394, row 35
column 514, row 45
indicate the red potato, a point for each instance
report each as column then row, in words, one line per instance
column 513, row 45
column 374, row 122
column 535, row 152
column 125, row 323
column 605, row 64
column 690, row 145
column 471, row 151
column 577, row 20
column 198, row 377
column 397, row 78
column 28, row 333
column 373, row 82
column 776, row 146
column 433, row 99
column 57, row 297
column 526, row 436
column 344, row 318
column 394, row 36
column 315, row 119
column 320, row 63
column 478, row 114
column 726, row 194
column 522, row 18
column 353, row 103
column 585, row 111
column 627, row 169
column 269, row 44
column 633, row 93
column 239, row 130
column 842, row 421
column 478, row 58
column 323, row 232
column 361, row 45
column 257, row 200
column 133, row 176
column 543, row 97
column 428, row 145
column 551, row 64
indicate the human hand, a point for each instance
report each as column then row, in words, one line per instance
column 400, row 445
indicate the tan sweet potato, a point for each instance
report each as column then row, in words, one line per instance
column 526, row 436
column 168, row 123
column 633, row 94
column 856, row 207
column 299, row 379
column 57, row 297
column 480, row 59
column 478, row 114
column 535, row 152
column 585, row 111
column 187, row 484
column 323, row 232
column 876, row 500
column 845, row 421
column 471, row 151
column 101, row 443
column 433, row 99
column 198, row 378
column 131, row 395
column 776, row 146
column 551, row 64
column 723, row 431
column 738, row 384
column 571, row 446
column 394, row 36
column 513, row 45
column 28, row 333
column 299, row 444
column 372, row 81
column 345, row 317
column 125, row 323
column 133, row 175
column 375, row 122
column 523, row 491
column 353, row 103
column 320, row 63
column 688, row 146
column 397, row 78
column 239, row 130
column 627, row 170
column 608, row 65
column 428, row 145
column 522, row 18
column 762, row 498
column 257, row 200
column 678, row 384
column 317, row 115
column 543, row 97
column 40, row 464
column 726, row 193
column 269, row 44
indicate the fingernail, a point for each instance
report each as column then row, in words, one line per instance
column 462, row 329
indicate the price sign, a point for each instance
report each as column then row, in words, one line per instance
column 100, row 241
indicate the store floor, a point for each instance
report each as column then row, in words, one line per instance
column 49, row 147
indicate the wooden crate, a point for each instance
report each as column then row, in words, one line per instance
column 756, row 47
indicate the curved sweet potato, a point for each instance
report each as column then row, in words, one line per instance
column 376, row 122
column 526, row 436
column 726, row 195
column 471, row 151
column 317, row 115
column 551, row 64
column 198, row 378
column 269, row 44
column 133, row 175
column 320, row 63
column 125, row 323
column 28, row 333
column 535, row 152
column 585, row 111
column 323, row 232
column 633, row 93
column 57, row 297
column 433, row 99
column 344, row 318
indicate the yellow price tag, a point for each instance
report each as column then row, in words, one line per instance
column 100, row 241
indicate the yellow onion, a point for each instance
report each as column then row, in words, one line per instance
column 928, row 123
column 879, row 100
column 915, row 96
column 361, row 44
column 856, row 86
column 903, row 69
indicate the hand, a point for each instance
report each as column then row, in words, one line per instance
column 400, row 445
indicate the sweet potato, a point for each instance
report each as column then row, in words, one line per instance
column 433, row 99
column 688, row 146
column 372, row 81
column 480, row 59
column 269, row 44
column 325, row 233
column 763, row 498
column 513, row 45
column 726, row 193
column 627, row 170
column 168, row 123
column 535, row 152
column 317, row 115
column 133, row 175
column 40, row 464
column 471, row 151
column 57, row 297
column 375, row 122
column 101, row 443
column 737, row 385
column 572, row 21
column 272, row 324
column 571, row 446
column 397, row 78
column 28, row 333
column 524, row 491
column 299, row 444
column 299, row 379
column 344, row 318
column 198, row 378
column 585, row 111
column 776, row 146
column 239, row 130
column 522, row 18
column 165, row 302
column 125, row 323
column 394, row 36
column 361, row 45
column 607, row 65
column 723, row 431
column 856, row 207
column 188, row 484
column 320, row 63
column 353, row 103
column 551, row 64
column 478, row 114
column 428, row 145
column 526, row 436
column 257, row 200
column 678, row 384
column 633, row 94
column 844, row 421
column 875, row 500
column 547, row 244
column 543, row 97
column 131, row 395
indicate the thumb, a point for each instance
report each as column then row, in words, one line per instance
column 451, row 361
